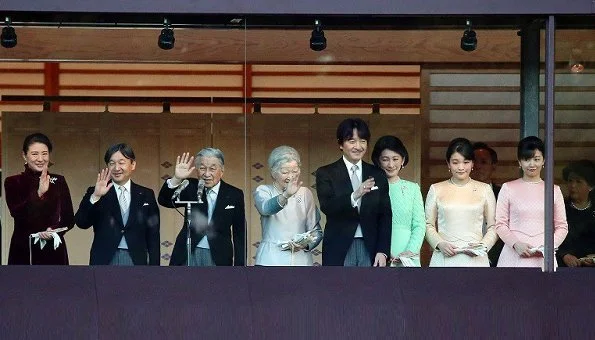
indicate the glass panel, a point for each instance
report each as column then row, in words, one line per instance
column 203, row 74
column 574, row 143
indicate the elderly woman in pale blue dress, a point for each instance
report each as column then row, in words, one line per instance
column 289, row 217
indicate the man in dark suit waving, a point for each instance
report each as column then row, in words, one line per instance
column 123, row 214
column 354, row 197
column 218, row 225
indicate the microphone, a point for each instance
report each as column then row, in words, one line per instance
column 179, row 189
column 200, row 188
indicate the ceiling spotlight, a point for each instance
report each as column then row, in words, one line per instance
column 8, row 38
column 469, row 39
column 317, row 41
column 166, row 38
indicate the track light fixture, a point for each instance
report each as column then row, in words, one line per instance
column 8, row 38
column 469, row 39
column 166, row 38
column 317, row 41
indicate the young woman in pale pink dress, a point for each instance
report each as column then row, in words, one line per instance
column 520, row 216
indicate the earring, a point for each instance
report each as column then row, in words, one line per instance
column 25, row 162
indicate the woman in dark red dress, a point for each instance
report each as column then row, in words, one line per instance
column 39, row 202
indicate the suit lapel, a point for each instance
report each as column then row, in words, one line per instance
column 134, row 203
column 365, row 174
column 220, row 202
column 114, row 205
column 342, row 174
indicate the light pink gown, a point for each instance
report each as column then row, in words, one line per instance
column 520, row 217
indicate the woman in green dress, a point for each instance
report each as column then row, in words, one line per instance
column 408, row 221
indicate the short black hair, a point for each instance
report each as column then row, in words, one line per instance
column 37, row 137
column 391, row 143
column 124, row 148
column 462, row 146
column 482, row 145
column 527, row 147
column 345, row 129
column 583, row 168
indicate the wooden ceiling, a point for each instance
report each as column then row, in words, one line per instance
column 282, row 46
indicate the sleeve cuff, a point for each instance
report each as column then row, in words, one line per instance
column 354, row 203
column 171, row 186
column 93, row 200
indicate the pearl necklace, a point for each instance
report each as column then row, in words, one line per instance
column 581, row 209
column 458, row 185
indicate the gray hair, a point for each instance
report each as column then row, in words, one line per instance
column 281, row 155
column 209, row 152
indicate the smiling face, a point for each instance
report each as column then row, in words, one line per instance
column 286, row 174
column 460, row 168
column 210, row 170
column 37, row 156
column 120, row 168
column 392, row 163
column 354, row 148
column 532, row 166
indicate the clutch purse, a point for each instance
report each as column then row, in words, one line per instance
column 300, row 240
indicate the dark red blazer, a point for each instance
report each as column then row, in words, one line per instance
column 33, row 214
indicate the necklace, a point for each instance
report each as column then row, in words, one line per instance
column 531, row 182
column 458, row 185
column 581, row 209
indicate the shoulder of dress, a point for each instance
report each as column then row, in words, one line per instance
column 13, row 178
column 440, row 185
column 264, row 187
column 410, row 183
column 482, row 185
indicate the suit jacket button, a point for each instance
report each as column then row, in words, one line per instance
column 122, row 231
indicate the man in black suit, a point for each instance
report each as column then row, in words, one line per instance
column 354, row 197
column 484, row 165
column 123, row 214
column 218, row 225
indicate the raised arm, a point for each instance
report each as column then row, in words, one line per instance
column 332, row 203
column 86, row 214
column 265, row 202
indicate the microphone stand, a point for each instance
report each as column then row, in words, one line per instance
column 188, row 218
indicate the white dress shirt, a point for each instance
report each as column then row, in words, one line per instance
column 355, row 203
